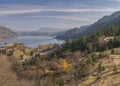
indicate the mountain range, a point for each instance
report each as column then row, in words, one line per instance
column 41, row 32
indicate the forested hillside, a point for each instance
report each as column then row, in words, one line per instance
column 96, row 41
column 105, row 22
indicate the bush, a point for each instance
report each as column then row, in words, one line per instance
column 101, row 68
column 112, row 51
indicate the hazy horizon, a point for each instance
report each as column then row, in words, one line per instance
column 65, row 14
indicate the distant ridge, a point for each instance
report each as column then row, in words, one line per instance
column 41, row 32
column 72, row 33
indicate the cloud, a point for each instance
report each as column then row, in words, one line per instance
column 73, row 18
column 6, row 9
column 114, row 0
column 9, row 12
column 84, row 10
column 22, row 11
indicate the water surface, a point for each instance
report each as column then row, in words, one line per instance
column 32, row 41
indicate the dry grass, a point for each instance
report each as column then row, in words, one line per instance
column 108, row 38
column 112, row 80
column 87, row 82
column 8, row 77
column 108, row 77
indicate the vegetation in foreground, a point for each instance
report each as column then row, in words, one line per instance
column 91, row 60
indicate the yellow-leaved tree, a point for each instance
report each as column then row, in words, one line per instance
column 65, row 66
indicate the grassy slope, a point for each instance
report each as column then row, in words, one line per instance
column 8, row 77
column 108, row 77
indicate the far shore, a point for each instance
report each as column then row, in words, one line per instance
column 1, row 39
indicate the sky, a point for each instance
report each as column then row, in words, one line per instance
column 23, row 15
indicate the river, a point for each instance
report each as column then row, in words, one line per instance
column 33, row 41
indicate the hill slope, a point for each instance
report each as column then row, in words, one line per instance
column 72, row 33
column 8, row 76
column 6, row 33
column 113, row 19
